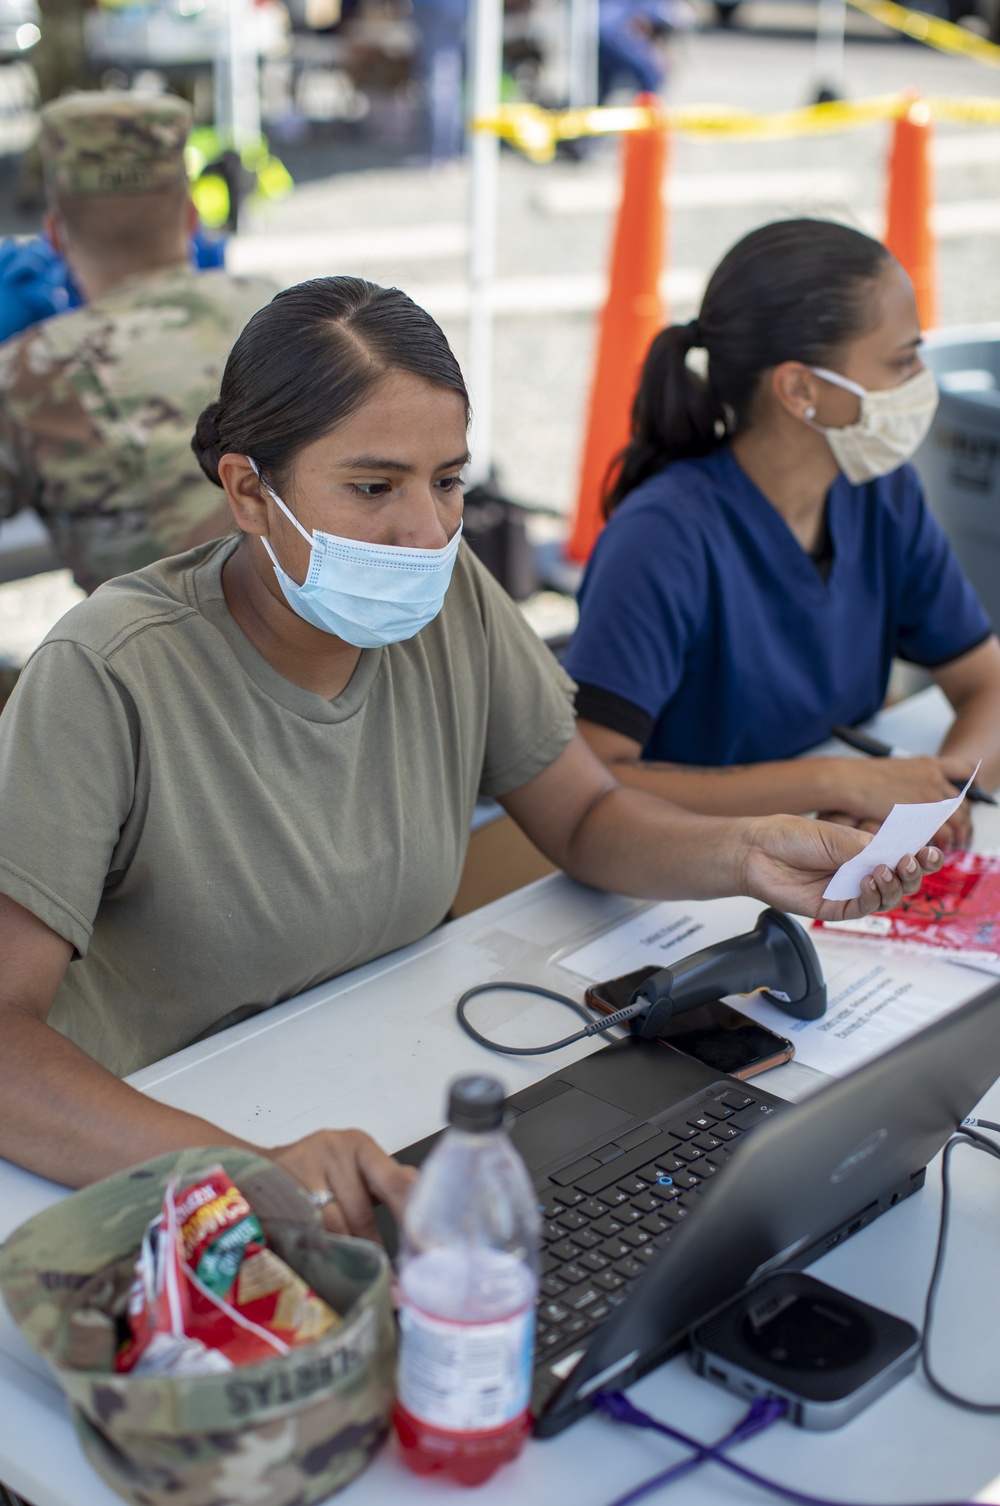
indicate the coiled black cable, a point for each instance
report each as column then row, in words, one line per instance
column 598, row 1026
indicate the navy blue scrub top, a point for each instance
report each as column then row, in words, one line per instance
column 710, row 636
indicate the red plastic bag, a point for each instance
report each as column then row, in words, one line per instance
column 955, row 910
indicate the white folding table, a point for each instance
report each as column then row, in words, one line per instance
column 377, row 1047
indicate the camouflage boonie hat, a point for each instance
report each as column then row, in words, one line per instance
column 109, row 141
column 287, row 1432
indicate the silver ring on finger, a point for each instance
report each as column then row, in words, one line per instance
column 321, row 1197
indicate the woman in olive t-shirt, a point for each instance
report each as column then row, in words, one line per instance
column 243, row 770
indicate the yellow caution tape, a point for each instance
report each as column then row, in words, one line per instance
column 943, row 35
column 966, row 111
column 535, row 131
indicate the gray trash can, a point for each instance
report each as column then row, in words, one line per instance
column 959, row 461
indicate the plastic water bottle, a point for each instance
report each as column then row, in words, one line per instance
column 468, row 1281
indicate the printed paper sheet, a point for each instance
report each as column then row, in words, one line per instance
column 877, row 996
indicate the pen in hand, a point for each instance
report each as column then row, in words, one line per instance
column 875, row 748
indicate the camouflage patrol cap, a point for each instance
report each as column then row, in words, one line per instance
column 287, row 1432
column 109, row 141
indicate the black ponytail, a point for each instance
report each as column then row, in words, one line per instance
column 797, row 290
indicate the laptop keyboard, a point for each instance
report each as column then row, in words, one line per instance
column 606, row 1216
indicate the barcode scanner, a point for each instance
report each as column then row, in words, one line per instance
column 776, row 957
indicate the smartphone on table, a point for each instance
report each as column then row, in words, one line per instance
column 714, row 1033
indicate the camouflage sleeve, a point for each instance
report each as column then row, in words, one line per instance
column 19, row 486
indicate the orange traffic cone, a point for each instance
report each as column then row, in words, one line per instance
column 632, row 315
column 908, row 232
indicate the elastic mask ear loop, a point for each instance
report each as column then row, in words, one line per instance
column 284, row 508
column 828, row 376
column 278, row 568
column 837, row 380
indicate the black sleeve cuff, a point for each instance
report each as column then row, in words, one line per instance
column 612, row 711
column 949, row 658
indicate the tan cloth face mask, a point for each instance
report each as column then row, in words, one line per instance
column 892, row 425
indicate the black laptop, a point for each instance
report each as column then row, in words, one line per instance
column 645, row 1227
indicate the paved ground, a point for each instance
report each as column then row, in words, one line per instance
column 408, row 227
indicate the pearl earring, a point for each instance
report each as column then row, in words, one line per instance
column 810, row 413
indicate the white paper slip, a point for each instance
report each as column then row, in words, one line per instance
column 905, row 829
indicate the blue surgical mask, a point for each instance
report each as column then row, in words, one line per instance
column 367, row 594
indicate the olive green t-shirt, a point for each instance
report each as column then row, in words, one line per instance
column 211, row 838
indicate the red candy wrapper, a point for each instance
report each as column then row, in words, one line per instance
column 956, row 911
column 208, row 1293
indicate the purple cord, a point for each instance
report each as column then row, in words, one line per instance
column 762, row 1414
column 617, row 1406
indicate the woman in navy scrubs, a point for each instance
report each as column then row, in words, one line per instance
column 768, row 551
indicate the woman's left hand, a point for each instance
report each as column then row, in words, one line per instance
column 790, row 861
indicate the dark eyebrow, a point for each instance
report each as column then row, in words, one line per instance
column 380, row 463
column 373, row 463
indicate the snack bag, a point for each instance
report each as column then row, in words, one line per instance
column 208, row 1293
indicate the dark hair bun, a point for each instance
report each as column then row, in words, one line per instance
column 207, row 442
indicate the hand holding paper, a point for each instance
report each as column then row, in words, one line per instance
column 906, row 829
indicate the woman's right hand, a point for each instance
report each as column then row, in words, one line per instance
column 356, row 1170
column 788, row 861
column 868, row 788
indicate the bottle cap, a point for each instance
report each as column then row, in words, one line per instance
column 476, row 1104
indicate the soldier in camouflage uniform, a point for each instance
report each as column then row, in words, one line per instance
column 97, row 406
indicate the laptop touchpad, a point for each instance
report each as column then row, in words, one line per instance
column 563, row 1125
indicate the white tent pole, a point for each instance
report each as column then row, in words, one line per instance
column 237, row 74
column 245, row 73
column 485, row 64
column 222, row 82
column 583, row 23
column 830, row 19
